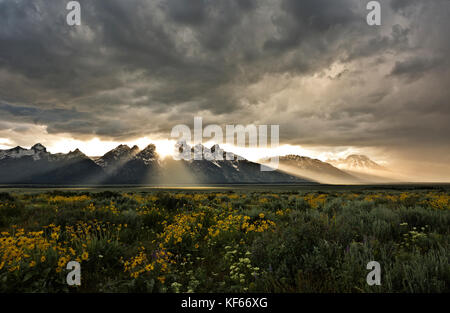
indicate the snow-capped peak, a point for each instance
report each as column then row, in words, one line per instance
column 38, row 151
column 357, row 162
column 121, row 154
column 148, row 155
column 15, row 153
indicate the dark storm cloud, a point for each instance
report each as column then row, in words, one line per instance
column 396, row 41
column 399, row 5
column 305, row 19
column 139, row 67
column 41, row 116
column 414, row 68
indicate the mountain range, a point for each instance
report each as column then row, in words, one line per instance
column 38, row 166
column 125, row 165
column 314, row 169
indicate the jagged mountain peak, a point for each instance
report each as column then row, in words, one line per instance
column 199, row 151
column 119, row 151
column 37, row 152
column 39, row 147
column 75, row 154
column 150, row 148
column 125, row 148
column 119, row 154
column 18, row 148
column 148, row 155
column 122, row 147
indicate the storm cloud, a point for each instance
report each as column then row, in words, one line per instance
column 138, row 67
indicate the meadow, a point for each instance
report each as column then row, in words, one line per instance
column 241, row 240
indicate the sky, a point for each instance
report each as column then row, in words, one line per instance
column 134, row 69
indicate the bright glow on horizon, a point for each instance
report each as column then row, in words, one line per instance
column 5, row 143
column 97, row 147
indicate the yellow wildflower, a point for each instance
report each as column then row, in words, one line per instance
column 85, row 256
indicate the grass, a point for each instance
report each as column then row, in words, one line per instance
column 249, row 240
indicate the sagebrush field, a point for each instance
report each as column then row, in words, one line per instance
column 227, row 241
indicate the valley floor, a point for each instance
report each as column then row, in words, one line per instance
column 228, row 238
